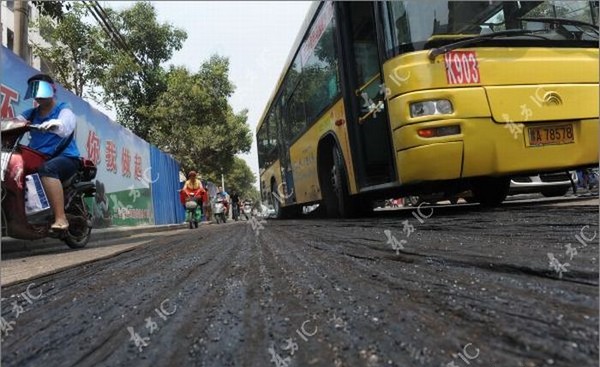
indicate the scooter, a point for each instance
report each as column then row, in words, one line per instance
column 219, row 210
column 21, row 219
column 193, row 209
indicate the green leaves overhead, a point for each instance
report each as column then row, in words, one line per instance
column 240, row 179
column 118, row 58
column 74, row 55
column 136, row 78
column 52, row 9
column 193, row 121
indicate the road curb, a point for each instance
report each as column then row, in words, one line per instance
column 9, row 244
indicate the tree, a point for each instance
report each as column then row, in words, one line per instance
column 183, row 113
column 129, row 74
column 136, row 78
column 52, row 9
column 193, row 121
column 240, row 179
column 74, row 55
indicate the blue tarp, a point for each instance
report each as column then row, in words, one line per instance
column 165, row 188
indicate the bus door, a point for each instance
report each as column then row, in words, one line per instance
column 364, row 94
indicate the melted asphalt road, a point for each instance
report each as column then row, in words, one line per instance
column 462, row 287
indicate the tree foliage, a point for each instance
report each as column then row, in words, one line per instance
column 183, row 113
column 74, row 55
column 240, row 179
column 193, row 121
column 52, row 9
column 135, row 78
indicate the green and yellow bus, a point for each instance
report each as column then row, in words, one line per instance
column 387, row 99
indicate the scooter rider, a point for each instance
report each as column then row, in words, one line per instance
column 193, row 183
column 225, row 197
column 194, row 186
column 57, row 123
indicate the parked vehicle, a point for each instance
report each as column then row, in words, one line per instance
column 40, row 217
column 219, row 210
column 548, row 184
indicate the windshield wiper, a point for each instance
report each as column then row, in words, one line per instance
column 452, row 46
column 574, row 22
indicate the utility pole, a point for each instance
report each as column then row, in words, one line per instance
column 1, row 26
column 21, row 11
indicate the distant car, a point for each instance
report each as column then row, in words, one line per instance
column 548, row 184
column 270, row 212
column 266, row 211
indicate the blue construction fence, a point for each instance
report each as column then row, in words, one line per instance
column 137, row 184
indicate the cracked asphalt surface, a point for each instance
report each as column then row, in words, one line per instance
column 468, row 287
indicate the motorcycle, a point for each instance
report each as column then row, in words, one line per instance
column 219, row 210
column 20, row 183
column 193, row 208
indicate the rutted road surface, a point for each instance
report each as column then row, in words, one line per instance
column 467, row 287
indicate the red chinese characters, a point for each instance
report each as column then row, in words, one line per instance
column 8, row 97
column 137, row 167
column 111, row 156
column 93, row 147
column 125, row 162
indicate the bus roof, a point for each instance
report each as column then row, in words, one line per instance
column 310, row 15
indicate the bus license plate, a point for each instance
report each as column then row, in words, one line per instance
column 550, row 135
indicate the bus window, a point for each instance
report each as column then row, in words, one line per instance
column 320, row 84
column 295, row 119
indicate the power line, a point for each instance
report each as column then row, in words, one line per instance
column 115, row 31
column 108, row 27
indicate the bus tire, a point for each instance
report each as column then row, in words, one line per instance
column 490, row 191
column 276, row 203
column 281, row 212
column 334, row 185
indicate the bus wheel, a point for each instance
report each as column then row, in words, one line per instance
column 490, row 191
column 288, row 212
column 276, row 203
column 338, row 203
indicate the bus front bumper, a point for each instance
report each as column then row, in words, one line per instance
column 486, row 148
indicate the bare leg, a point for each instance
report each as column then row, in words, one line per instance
column 54, row 190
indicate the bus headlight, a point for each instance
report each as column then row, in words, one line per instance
column 429, row 108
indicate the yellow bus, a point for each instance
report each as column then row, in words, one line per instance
column 387, row 99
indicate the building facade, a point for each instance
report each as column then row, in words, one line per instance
column 9, row 11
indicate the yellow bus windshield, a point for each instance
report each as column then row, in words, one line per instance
column 418, row 25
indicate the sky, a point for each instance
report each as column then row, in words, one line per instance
column 256, row 36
